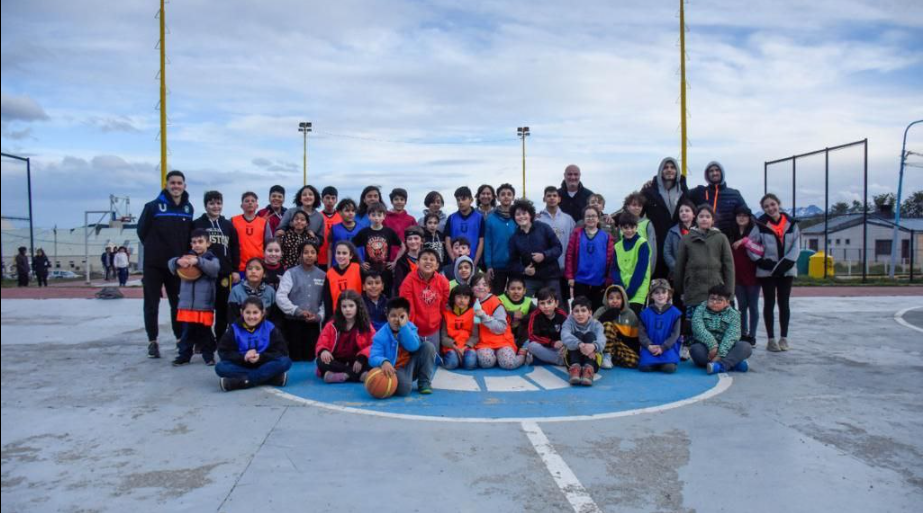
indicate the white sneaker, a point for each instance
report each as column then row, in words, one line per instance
column 607, row 361
column 684, row 353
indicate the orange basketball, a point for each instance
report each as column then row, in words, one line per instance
column 379, row 385
column 189, row 273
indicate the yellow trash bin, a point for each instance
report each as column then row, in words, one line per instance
column 816, row 265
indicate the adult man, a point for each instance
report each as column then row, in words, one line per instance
column 723, row 199
column 22, row 267
column 163, row 229
column 574, row 196
column 662, row 195
column 106, row 259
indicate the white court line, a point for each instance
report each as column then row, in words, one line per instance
column 578, row 497
column 724, row 382
column 899, row 317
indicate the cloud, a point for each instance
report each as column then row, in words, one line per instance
column 111, row 124
column 20, row 108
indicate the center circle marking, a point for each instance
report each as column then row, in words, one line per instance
column 528, row 394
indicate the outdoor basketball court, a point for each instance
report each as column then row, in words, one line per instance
column 90, row 424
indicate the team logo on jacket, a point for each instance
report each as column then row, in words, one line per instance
column 162, row 207
column 429, row 296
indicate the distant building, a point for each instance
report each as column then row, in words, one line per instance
column 65, row 246
column 844, row 238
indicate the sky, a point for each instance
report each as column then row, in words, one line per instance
column 427, row 95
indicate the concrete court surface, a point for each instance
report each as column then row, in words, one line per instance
column 90, row 424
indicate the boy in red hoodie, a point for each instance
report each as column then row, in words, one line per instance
column 428, row 293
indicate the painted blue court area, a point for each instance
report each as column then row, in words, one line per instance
column 529, row 392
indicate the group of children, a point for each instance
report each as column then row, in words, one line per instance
column 354, row 294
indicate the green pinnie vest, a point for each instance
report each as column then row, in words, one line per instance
column 627, row 260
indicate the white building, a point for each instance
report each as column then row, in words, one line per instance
column 65, row 246
column 844, row 239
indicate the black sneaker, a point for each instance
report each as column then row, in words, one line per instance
column 229, row 384
column 180, row 361
column 153, row 350
column 280, row 380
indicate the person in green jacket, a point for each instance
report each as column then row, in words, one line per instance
column 704, row 259
column 716, row 327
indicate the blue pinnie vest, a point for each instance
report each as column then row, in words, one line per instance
column 258, row 339
column 658, row 327
column 467, row 227
column 591, row 264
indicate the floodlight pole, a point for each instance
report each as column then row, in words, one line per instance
column 304, row 128
column 523, row 132
column 163, row 96
column 897, row 204
column 682, row 81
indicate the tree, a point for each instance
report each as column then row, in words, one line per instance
column 913, row 205
column 884, row 202
column 856, row 207
column 839, row 208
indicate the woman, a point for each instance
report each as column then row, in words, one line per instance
column 40, row 266
column 662, row 195
column 534, row 251
column 307, row 201
column 704, row 260
column 778, row 234
column 121, row 262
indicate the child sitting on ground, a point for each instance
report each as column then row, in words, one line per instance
column 716, row 328
column 496, row 344
column 518, row 309
column 253, row 352
column 660, row 330
column 584, row 338
column 252, row 286
column 398, row 351
column 196, row 300
column 621, row 327
column 343, row 345
column 459, row 333
column 544, row 330
column 376, row 303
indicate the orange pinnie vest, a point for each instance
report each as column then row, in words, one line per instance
column 459, row 327
column 488, row 339
column 351, row 279
column 251, row 235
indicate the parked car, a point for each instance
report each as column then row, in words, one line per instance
column 58, row 274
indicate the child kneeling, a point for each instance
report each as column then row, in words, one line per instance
column 660, row 330
column 398, row 351
column 585, row 339
column 343, row 345
column 253, row 352
column 459, row 333
column 716, row 328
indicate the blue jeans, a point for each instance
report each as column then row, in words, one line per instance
column 255, row 375
column 748, row 302
column 197, row 335
column 470, row 360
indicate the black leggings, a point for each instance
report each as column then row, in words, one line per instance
column 345, row 366
column 776, row 287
